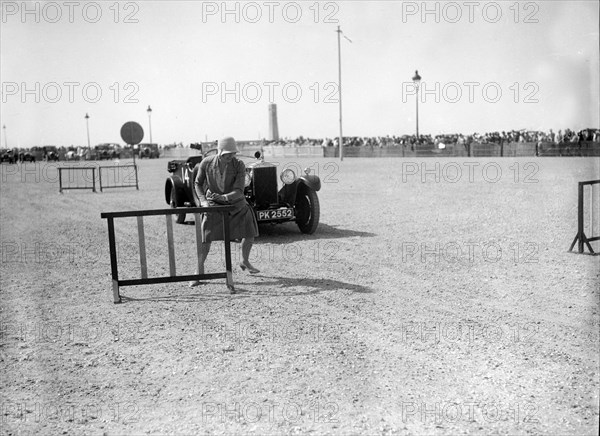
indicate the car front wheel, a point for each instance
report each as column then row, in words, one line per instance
column 307, row 210
column 180, row 217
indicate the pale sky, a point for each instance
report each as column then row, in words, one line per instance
column 190, row 63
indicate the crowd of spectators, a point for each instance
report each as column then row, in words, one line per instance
column 409, row 141
column 444, row 140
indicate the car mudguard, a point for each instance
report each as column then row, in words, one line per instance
column 311, row 181
column 287, row 194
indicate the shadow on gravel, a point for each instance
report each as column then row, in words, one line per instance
column 272, row 287
column 276, row 287
column 189, row 298
column 288, row 232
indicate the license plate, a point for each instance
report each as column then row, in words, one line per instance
column 275, row 214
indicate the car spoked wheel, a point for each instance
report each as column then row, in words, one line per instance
column 307, row 210
column 180, row 217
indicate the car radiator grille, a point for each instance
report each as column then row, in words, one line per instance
column 265, row 186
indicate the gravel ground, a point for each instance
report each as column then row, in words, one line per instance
column 436, row 297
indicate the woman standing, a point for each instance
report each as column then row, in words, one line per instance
column 220, row 181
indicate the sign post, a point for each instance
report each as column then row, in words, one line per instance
column 132, row 133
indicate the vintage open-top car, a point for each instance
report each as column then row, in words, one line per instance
column 50, row 153
column 149, row 150
column 31, row 155
column 295, row 201
column 106, row 151
column 8, row 155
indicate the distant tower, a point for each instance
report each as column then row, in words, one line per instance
column 273, row 129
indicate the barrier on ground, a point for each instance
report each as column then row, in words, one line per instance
column 274, row 151
column 519, row 149
column 84, row 177
column 424, row 150
column 74, row 178
column 429, row 150
column 583, row 149
column 180, row 153
column 485, row 150
column 118, row 176
column 592, row 224
column 247, row 148
column 475, row 149
column 173, row 277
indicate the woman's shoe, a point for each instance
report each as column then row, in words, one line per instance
column 251, row 269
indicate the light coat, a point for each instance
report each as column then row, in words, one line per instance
column 230, row 184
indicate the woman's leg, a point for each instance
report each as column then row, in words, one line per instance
column 204, row 250
column 246, row 248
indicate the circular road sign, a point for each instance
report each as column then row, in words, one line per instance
column 132, row 133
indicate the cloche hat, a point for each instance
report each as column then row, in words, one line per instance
column 227, row 145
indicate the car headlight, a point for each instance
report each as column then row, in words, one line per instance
column 287, row 176
column 247, row 180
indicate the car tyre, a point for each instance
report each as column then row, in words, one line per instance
column 180, row 217
column 307, row 210
column 194, row 193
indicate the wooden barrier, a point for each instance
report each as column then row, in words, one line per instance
column 102, row 183
column 71, row 170
column 179, row 153
column 519, row 149
column 593, row 204
column 117, row 169
column 284, row 151
column 173, row 277
column 578, row 149
column 474, row 149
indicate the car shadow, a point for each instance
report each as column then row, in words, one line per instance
column 271, row 287
column 288, row 232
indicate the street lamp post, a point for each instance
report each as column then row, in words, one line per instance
column 341, row 138
column 149, row 110
column 87, row 126
column 417, row 80
column 5, row 141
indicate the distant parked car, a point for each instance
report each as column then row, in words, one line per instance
column 31, row 155
column 106, row 151
column 72, row 154
column 8, row 155
column 50, row 153
column 149, row 150
column 37, row 153
column 25, row 156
